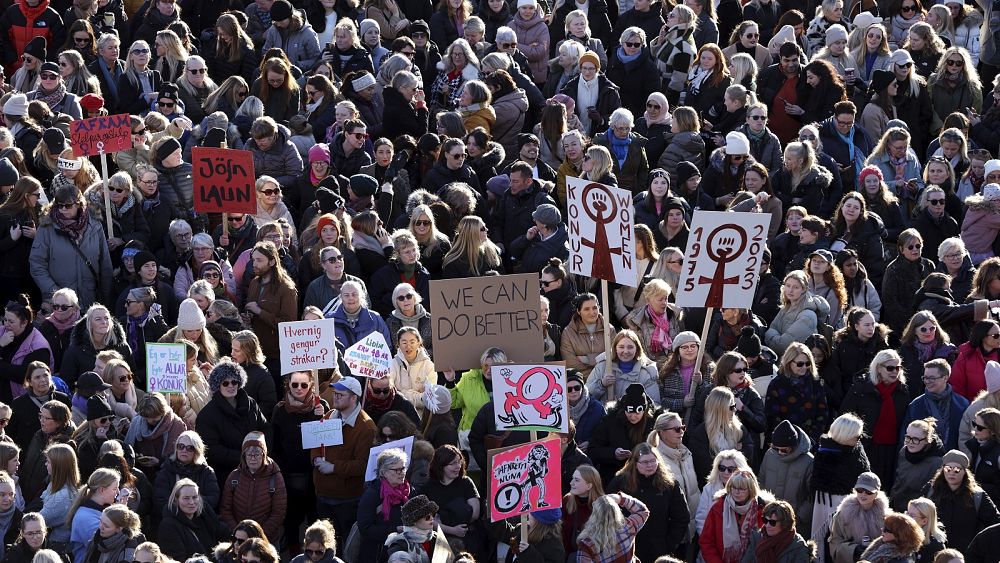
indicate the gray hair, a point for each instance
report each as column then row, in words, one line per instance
column 506, row 35
column 362, row 296
column 389, row 457
column 403, row 79
column 572, row 48
column 495, row 61
column 107, row 38
column 402, row 289
column 178, row 225
column 475, row 24
column 631, row 32
column 145, row 295
column 949, row 245
column 622, row 116
column 201, row 287
column 494, row 355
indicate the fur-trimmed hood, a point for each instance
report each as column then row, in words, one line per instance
column 494, row 155
column 860, row 522
column 79, row 336
column 978, row 203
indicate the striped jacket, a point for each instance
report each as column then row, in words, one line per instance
column 624, row 549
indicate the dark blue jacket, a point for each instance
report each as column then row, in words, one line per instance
column 589, row 421
column 919, row 409
column 385, row 280
column 533, row 255
column 368, row 322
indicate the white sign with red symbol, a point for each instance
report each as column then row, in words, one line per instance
column 601, row 226
column 722, row 264
column 530, row 397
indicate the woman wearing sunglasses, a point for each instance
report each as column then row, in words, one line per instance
column 859, row 519
column 726, row 431
column 778, row 540
column 138, row 84
column 90, row 435
column 127, row 219
column 903, row 277
column 955, row 86
column 733, row 518
column 380, row 510
column 797, row 394
column 228, row 417
column 187, row 461
column 123, row 397
column 963, row 507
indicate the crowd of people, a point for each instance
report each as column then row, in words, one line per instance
column 851, row 414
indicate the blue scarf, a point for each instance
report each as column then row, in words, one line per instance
column 111, row 80
column 627, row 58
column 619, row 147
column 855, row 155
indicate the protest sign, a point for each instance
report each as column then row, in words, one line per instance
column 722, row 263
column 530, row 397
column 369, row 357
column 601, row 230
column 472, row 314
column 107, row 134
column 224, row 181
column 166, row 368
column 328, row 432
column 406, row 444
column 307, row 345
column 525, row 479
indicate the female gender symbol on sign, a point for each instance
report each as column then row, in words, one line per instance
column 721, row 249
column 599, row 205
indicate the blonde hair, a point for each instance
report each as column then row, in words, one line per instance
column 794, row 350
column 176, row 492
column 602, row 527
column 881, row 358
column 101, row 478
column 846, row 429
column 686, row 119
column 721, row 424
column 175, row 57
column 602, row 163
column 735, row 455
column 933, row 528
column 470, row 247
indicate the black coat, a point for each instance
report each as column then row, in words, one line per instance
column 640, row 75
column 708, row 101
column 260, row 387
column 220, row 68
column 934, row 231
column 202, row 474
column 58, row 342
column 613, row 433
column 81, row 354
column 810, row 192
column 512, row 216
column 838, row 150
column 899, row 290
column 668, row 519
column 223, row 427
column 985, row 463
column 851, row 359
column 130, row 93
column 836, row 467
column 649, row 21
column 24, row 416
column 287, row 451
column 399, row 404
column 401, row 117
column 385, row 280
column 863, row 400
column 608, row 100
column 440, row 175
column 181, row 537
column 32, row 475
column 961, row 517
column 701, row 454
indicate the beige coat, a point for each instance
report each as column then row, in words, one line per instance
column 578, row 342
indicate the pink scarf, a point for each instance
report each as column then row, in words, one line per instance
column 64, row 326
column 660, row 340
column 393, row 496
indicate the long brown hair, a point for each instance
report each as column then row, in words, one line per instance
column 663, row 480
column 270, row 252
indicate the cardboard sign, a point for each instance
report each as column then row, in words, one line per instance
column 531, row 397
column 107, row 134
column 306, row 345
column 369, row 357
column 525, row 479
column 406, row 444
column 329, row 432
column 224, row 181
column 472, row 314
column 166, row 368
column 601, row 230
column 723, row 259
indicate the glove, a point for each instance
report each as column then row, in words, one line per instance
column 595, row 116
column 324, row 466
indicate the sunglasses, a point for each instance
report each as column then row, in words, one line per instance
column 139, row 133
column 66, row 205
column 458, row 156
column 197, row 70
column 409, row 54
column 979, row 426
column 297, row 385
column 751, row 35
column 904, row 65
column 166, row 104
column 935, row 201
column 739, row 370
column 140, row 51
column 906, row 9
column 994, row 335
column 334, row 259
column 118, row 190
column 574, row 388
column 544, row 283
column 124, row 378
column 773, row 522
column 422, row 223
column 360, row 136
column 84, row 39
column 271, row 191
column 633, row 45
column 230, row 383
column 953, row 63
column 378, row 391
column 406, row 297
column 49, row 76
column 62, row 307
column 801, row 364
column 758, row 117
column 313, row 552
column 891, row 369
column 926, row 329
column 914, row 246
column 952, row 469
column 861, row 491
column 212, row 275
column 727, row 468
column 105, row 419
column 237, row 219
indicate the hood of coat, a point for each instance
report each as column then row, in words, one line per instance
column 278, row 145
column 939, row 296
column 522, row 25
column 691, row 141
column 518, row 98
column 79, row 336
column 817, row 304
column 493, row 156
column 979, row 203
column 801, row 448
column 818, row 176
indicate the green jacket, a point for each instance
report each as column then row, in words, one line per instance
column 469, row 395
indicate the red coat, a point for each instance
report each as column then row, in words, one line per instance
column 968, row 373
column 21, row 23
column 711, row 535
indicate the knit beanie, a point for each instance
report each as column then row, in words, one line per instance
column 834, row 33
column 210, row 266
column 957, row 457
column 737, row 143
column 98, row 408
column 142, row 258
column 55, row 140
column 37, row 48
column 281, row 10
column 16, row 105
column 367, row 24
column 591, row 57
column 417, row 508
column 364, row 185
column 497, row 185
column 329, row 200
column 320, row 152
column 685, row 337
column 167, row 148
column 189, row 316
column 635, row 396
column 686, row 171
column 784, row 435
column 437, row 398
column 8, row 174
column 324, row 220
column 255, row 439
column 868, row 171
column 214, row 138
column 749, row 342
column 226, row 369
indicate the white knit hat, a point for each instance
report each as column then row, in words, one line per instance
column 865, row 19
column 16, row 105
column 835, row 33
column 737, row 143
column 785, row 35
column 521, row 3
column 991, row 192
column 190, row 317
column 991, row 166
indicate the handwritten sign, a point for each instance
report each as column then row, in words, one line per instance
column 525, row 479
column 166, row 368
column 307, row 345
column 722, row 264
column 329, row 432
column 224, row 181
column 471, row 314
column 601, row 232
column 369, row 357
column 531, row 397
column 406, row 444
column 107, row 134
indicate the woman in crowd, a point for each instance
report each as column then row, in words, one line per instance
column 100, row 492
column 580, row 346
column 984, row 448
column 411, row 368
column 56, row 427
column 962, row 506
column 797, row 394
column 609, row 533
column 460, row 65
column 449, row 486
column 629, row 365
column 726, row 464
column 656, row 320
column 246, row 351
column 954, row 86
column 91, row 435
column 732, row 372
column 734, row 516
column 924, row 513
column 860, row 290
column 118, row 535
column 686, row 144
column 189, row 523
column 473, row 253
column 924, row 340
column 21, row 345
column 859, row 519
column 901, row 538
column 801, row 181
column 244, row 499
column 187, row 461
column 881, row 201
column 33, row 537
column 721, row 430
column 902, row 280
column 840, row 459
column 646, row 476
column 680, row 379
column 667, row 437
column 96, row 332
column 854, row 347
column 321, row 542
column 626, row 425
column 59, row 493
column 918, row 460
column 968, row 376
column 434, row 244
column 153, row 432
column 777, row 539
column 584, row 489
column 380, row 508
column 863, row 233
column 123, row 396
column 228, row 417
column 19, row 217
column 598, row 166
column 800, row 313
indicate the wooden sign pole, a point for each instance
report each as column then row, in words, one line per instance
column 524, row 517
column 107, row 192
column 704, row 339
column 606, row 305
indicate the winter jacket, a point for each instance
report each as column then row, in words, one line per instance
column 912, row 363
column 864, row 400
column 299, row 42
column 669, row 515
column 469, row 395
column 643, row 373
column 368, row 322
column 401, row 117
column 961, row 515
column 899, row 287
column 816, row 32
column 685, row 146
column 533, row 41
column 914, row 471
column 385, row 280
column 69, row 104
column 177, row 189
column 980, row 226
column 673, row 57
column 947, row 100
column 641, row 75
column 578, row 342
column 702, row 448
column 809, row 193
column 181, row 537
column 53, row 246
column 223, row 426
column 608, row 100
column 440, row 175
column 834, row 146
column 613, row 432
column 844, row 546
column 260, row 497
column 867, row 242
column 799, row 551
column 786, row 328
column 511, row 217
column 851, row 358
column 955, row 319
column 800, row 400
column 533, row 255
column 219, row 66
column 836, row 467
column 934, row 231
column 81, row 354
column 478, row 115
column 767, row 150
column 707, row 30
column 20, row 23
column 279, row 304
column 711, row 539
column 282, row 161
column 202, row 474
column 410, row 378
column 511, row 109
column 787, row 476
column 707, row 100
column 632, row 174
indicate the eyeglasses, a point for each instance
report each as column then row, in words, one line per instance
column 271, row 191
column 212, row 275
column 935, row 201
column 891, row 369
column 334, row 259
column 406, row 297
column 237, row 218
column 953, row 469
column 197, row 70
column 906, row 9
column 313, row 552
column 771, row 522
column 409, row 54
column 727, row 468
column 807, row 137
column 166, row 104
column 230, row 383
column 422, row 223
column 49, row 76
column 758, row 118
column 912, row 439
column 84, row 39
column 34, row 534
column 861, row 491
column 958, row 64
column 149, row 182
column 400, row 471
column 66, row 205
column 678, row 429
column 633, row 44
column 651, row 105
column 979, row 426
column 801, row 364
column 62, row 307
column 185, row 447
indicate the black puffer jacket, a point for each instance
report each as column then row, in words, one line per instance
column 640, row 75
column 899, row 290
column 852, row 358
column 487, row 165
column 202, row 474
column 440, row 175
column 220, row 68
column 81, row 354
column 181, row 537
column 223, row 427
column 864, row 400
column 867, row 242
column 836, row 467
column 810, row 192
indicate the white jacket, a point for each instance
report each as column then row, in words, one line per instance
column 410, row 379
column 967, row 34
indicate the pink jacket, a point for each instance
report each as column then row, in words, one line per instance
column 533, row 31
column 981, row 225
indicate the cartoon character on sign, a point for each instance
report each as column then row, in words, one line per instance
column 599, row 205
column 533, row 469
column 536, row 398
column 534, row 476
column 722, row 248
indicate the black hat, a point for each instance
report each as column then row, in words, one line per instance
column 749, row 342
column 90, row 381
column 36, row 48
column 416, row 508
column 785, row 435
column 767, row 255
column 167, row 148
column 55, row 140
column 428, row 142
column 525, row 138
column 98, row 408
column 214, row 138
column 168, row 90
column 420, row 26
column 635, row 396
column 281, row 10
column 364, row 185
column 329, row 200
column 8, row 174
column 881, row 79
column 49, row 66
column 672, row 203
column 686, row 171
column 142, row 258
column 575, row 375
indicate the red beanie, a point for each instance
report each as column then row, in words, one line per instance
column 868, row 170
column 324, row 220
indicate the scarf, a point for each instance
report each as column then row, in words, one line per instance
column 110, row 77
column 132, row 328
column 74, row 227
column 51, row 97
column 939, row 406
column 361, row 241
column 925, row 351
column 664, row 110
column 412, row 321
column 63, row 326
column 625, row 58
column 885, row 428
column 139, row 431
column 293, row 405
column 150, row 202
column 660, row 339
column 696, row 77
column 6, row 521
column 881, row 551
column 771, row 547
column 577, row 411
column 619, row 147
column 112, row 549
column 392, row 496
column 734, row 534
column 415, row 539
column 40, row 400
column 380, row 402
column 126, row 205
column 855, row 155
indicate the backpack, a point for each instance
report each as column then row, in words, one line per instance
column 233, row 484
